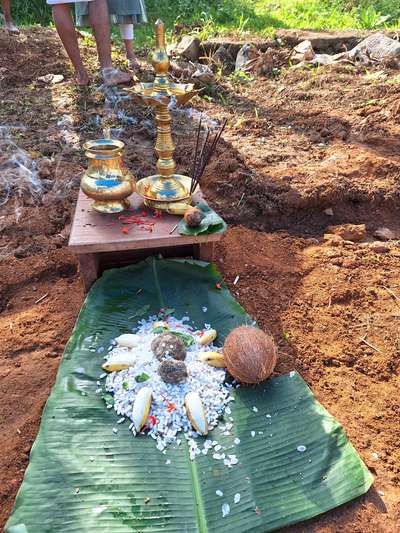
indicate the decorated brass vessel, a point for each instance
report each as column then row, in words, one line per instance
column 166, row 187
column 107, row 181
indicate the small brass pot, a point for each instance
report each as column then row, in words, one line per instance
column 107, row 181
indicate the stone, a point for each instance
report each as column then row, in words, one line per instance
column 189, row 48
column 51, row 79
column 329, row 212
column 223, row 57
column 245, row 54
column 376, row 48
column 306, row 50
column 203, row 74
column 379, row 247
column 322, row 41
column 349, row 232
column 333, row 240
column 384, row 234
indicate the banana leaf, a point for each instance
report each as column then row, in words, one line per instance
column 83, row 477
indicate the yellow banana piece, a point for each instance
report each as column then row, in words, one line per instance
column 195, row 413
column 160, row 324
column 214, row 359
column 178, row 209
column 119, row 361
column 208, row 337
column 141, row 408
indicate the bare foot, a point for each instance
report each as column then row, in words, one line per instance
column 114, row 76
column 11, row 28
column 134, row 63
column 82, row 78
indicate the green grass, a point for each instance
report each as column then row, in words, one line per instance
column 244, row 17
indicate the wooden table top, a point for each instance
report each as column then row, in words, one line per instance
column 93, row 232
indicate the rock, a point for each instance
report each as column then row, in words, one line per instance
column 376, row 48
column 245, row 54
column 51, row 79
column 333, row 240
column 329, row 212
column 306, row 50
column 379, row 247
column 322, row 41
column 203, row 74
column 349, row 232
column 384, row 234
column 223, row 58
column 189, row 47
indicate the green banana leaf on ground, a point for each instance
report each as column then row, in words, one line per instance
column 295, row 460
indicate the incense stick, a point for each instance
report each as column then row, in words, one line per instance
column 207, row 151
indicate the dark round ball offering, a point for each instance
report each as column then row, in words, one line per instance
column 173, row 371
column 168, row 344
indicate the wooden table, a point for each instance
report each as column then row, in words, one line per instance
column 99, row 242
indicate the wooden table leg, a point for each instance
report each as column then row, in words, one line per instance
column 88, row 268
column 205, row 252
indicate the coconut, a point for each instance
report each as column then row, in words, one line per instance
column 250, row 354
column 173, row 371
column 168, row 344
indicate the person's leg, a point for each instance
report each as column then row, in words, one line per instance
column 127, row 35
column 66, row 30
column 98, row 15
column 9, row 24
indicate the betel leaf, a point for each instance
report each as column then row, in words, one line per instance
column 211, row 223
column 298, row 464
column 106, row 396
column 187, row 339
column 141, row 378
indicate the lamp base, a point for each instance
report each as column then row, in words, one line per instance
column 158, row 194
column 109, row 207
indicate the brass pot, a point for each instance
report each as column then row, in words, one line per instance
column 107, row 180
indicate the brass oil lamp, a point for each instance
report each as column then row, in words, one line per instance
column 166, row 187
column 107, row 180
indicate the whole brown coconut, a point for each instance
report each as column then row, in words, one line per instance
column 173, row 371
column 250, row 354
column 168, row 344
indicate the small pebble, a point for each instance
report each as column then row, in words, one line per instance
column 237, row 441
column 236, row 498
column 115, row 430
column 219, row 493
column 253, row 433
column 301, row 449
column 255, row 409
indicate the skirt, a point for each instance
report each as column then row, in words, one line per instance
column 121, row 12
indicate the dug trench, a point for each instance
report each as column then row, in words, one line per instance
column 297, row 144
